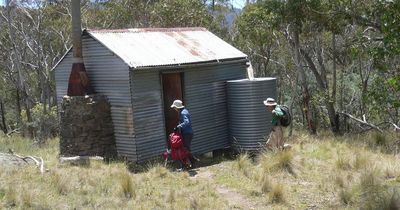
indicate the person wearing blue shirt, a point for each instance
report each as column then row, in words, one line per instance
column 185, row 123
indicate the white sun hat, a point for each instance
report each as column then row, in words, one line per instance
column 177, row 104
column 270, row 102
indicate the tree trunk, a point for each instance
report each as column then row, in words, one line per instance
column 3, row 117
column 304, row 86
column 334, row 82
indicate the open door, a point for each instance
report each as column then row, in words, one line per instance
column 172, row 90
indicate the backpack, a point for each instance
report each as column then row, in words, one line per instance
column 178, row 151
column 175, row 139
column 286, row 119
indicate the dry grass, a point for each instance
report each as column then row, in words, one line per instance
column 127, row 185
column 343, row 163
column 277, row 194
column 347, row 195
column 265, row 183
column 244, row 165
column 319, row 172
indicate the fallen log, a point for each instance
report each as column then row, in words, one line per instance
column 18, row 160
column 79, row 160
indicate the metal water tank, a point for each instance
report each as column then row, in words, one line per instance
column 249, row 120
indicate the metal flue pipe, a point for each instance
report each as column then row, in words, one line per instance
column 76, row 29
column 79, row 84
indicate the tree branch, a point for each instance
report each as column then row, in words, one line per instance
column 364, row 122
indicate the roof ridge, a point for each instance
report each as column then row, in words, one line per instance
column 143, row 30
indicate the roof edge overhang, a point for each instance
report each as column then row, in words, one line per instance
column 168, row 66
column 87, row 32
column 61, row 59
column 197, row 64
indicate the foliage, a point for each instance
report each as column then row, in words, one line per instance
column 45, row 122
column 35, row 34
column 349, row 50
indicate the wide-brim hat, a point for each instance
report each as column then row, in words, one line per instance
column 270, row 102
column 177, row 104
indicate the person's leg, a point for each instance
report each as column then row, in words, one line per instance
column 272, row 140
column 187, row 141
column 279, row 137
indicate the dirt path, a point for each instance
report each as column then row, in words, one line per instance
column 235, row 199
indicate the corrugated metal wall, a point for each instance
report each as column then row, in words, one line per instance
column 250, row 122
column 110, row 76
column 148, row 114
column 137, row 105
column 205, row 98
column 61, row 75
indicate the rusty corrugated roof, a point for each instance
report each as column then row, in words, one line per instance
column 165, row 46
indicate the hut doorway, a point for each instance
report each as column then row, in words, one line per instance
column 172, row 90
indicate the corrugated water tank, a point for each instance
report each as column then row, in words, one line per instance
column 249, row 120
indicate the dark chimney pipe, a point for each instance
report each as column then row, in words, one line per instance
column 76, row 28
column 79, row 84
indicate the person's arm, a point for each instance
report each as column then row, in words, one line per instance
column 278, row 112
column 185, row 120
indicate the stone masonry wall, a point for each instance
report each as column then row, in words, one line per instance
column 86, row 127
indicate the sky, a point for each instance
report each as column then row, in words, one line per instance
column 236, row 3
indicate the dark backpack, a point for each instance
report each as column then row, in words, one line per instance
column 286, row 119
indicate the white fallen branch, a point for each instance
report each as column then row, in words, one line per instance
column 79, row 159
column 364, row 122
column 39, row 164
column 11, row 132
column 396, row 127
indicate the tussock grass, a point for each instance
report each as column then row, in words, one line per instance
column 370, row 179
column 284, row 160
column 343, row 163
column 361, row 161
column 127, row 185
column 347, row 196
column 26, row 198
column 391, row 171
column 380, row 139
column 11, row 198
column 265, row 183
column 158, row 171
column 244, row 164
column 331, row 173
column 340, row 180
column 60, row 181
column 271, row 162
column 277, row 194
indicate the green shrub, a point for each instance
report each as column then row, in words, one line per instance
column 44, row 124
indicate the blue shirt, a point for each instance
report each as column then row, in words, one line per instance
column 185, row 124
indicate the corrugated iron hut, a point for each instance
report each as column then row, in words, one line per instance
column 141, row 71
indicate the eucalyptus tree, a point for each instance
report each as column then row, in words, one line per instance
column 327, row 40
